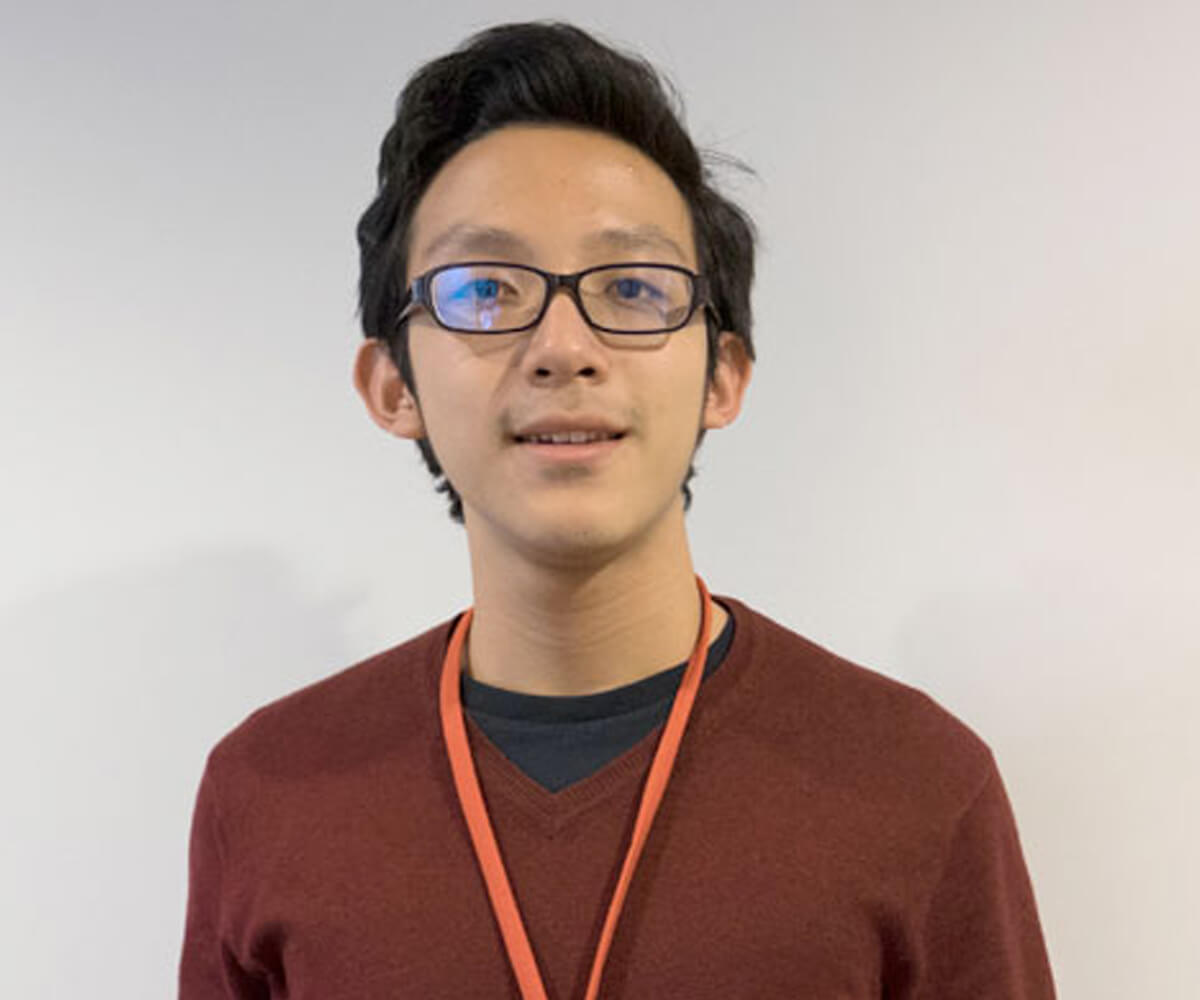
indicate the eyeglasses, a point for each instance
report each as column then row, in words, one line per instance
column 495, row 297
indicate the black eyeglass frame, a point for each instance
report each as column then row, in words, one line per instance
column 418, row 295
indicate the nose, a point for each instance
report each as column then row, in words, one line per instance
column 563, row 345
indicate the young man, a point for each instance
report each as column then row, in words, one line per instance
column 599, row 780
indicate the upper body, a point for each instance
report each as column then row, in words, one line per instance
column 828, row 832
column 545, row 255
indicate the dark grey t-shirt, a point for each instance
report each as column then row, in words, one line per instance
column 558, row 741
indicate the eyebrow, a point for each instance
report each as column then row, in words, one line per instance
column 465, row 237
column 646, row 236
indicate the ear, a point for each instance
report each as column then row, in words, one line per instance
column 731, row 376
column 389, row 401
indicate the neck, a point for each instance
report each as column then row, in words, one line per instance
column 590, row 624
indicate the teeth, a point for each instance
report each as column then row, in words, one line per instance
column 571, row 437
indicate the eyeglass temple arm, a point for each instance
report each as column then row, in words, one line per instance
column 408, row 305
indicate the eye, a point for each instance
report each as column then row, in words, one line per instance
column 486, row 289
column 630, row 289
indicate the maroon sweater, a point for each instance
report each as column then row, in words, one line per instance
column 829, row 833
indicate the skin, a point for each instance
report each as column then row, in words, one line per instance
column 582, row 575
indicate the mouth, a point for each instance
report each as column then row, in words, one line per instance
column 574, row 447
column 570, row 438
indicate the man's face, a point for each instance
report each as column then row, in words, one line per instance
column 561, row 199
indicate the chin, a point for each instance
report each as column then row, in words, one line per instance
column 572, row 536
column 574, row 542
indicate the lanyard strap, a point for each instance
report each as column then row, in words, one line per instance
column 483, row 838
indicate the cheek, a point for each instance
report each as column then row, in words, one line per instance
column 448, row 407
column 458, row 424
column 677, row 412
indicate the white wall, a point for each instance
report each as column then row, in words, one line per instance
column 969, row 458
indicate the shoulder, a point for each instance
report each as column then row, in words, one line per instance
column 855, row 724
column 371, row 707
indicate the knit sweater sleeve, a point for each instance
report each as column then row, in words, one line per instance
column 208, row 970
column 982, row 938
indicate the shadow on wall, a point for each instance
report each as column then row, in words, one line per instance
column 1088, row 692
column 116, row 687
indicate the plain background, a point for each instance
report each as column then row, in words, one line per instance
column 969, row 456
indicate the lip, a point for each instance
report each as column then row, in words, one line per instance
column 565, row 423
column 586, row 452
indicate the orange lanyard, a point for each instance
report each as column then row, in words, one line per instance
column 483, row 838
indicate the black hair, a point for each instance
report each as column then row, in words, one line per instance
column 545, row 72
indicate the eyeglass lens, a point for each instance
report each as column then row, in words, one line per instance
column 496, row 297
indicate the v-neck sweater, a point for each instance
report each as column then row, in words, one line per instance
column 828, row 832
column 558, row 740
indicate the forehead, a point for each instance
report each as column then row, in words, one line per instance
column 551, row 195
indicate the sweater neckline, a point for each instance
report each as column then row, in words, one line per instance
column 552, row 813
column 487, row 699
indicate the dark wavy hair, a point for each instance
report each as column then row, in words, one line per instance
column 547, row 72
